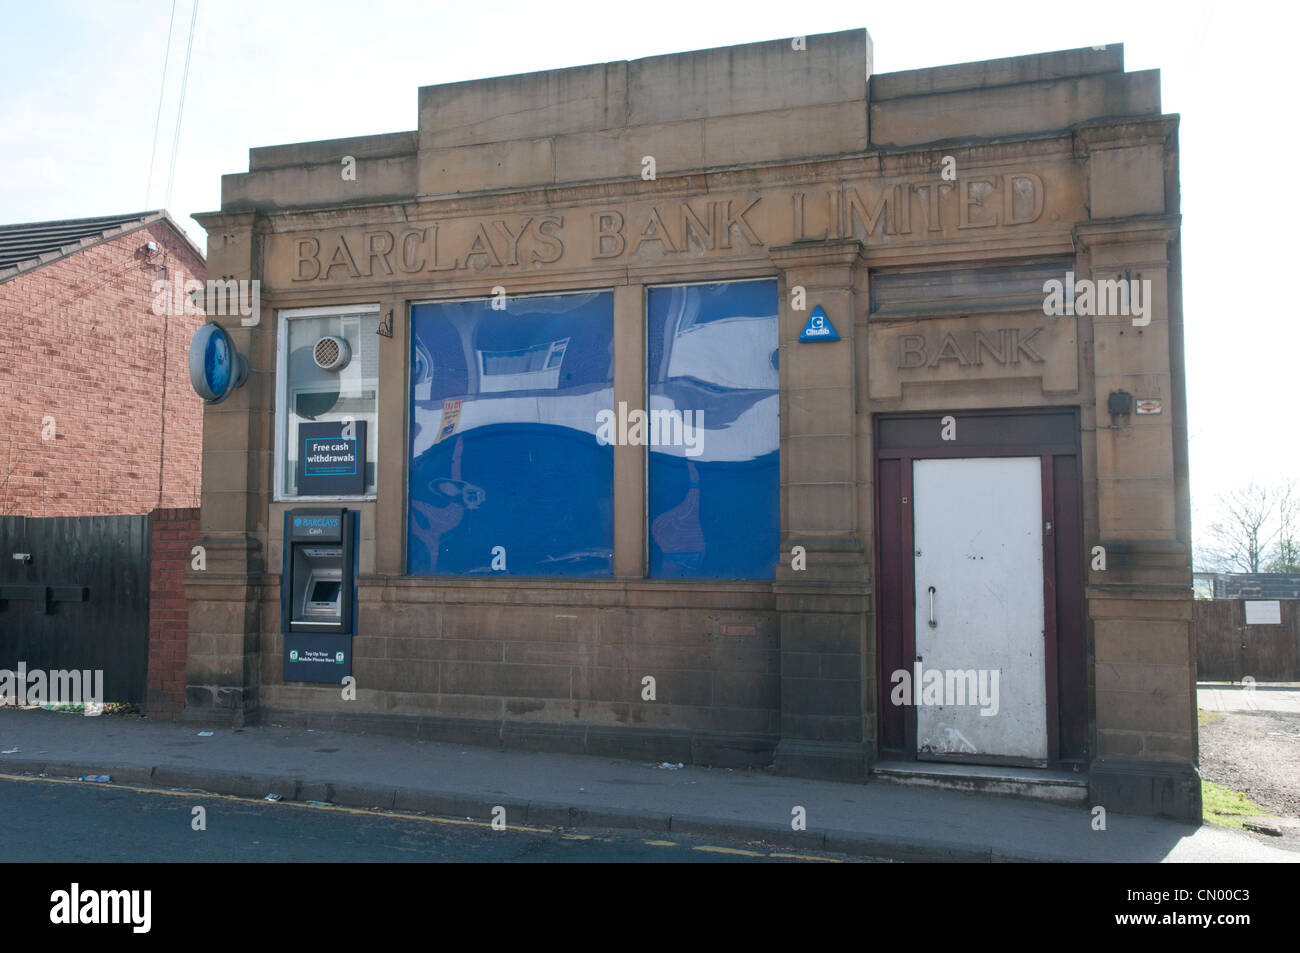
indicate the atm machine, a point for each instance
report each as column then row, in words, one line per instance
column 318, row 604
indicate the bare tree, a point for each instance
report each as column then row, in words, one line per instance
column 1285, row 556
column 1256, row 532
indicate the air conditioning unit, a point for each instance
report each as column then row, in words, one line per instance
column 331, row 353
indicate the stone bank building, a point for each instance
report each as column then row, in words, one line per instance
column 708, row 408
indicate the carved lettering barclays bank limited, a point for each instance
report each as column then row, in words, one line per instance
column 643, row 231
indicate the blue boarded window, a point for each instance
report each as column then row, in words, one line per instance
column 714, row 496
column 505, row 468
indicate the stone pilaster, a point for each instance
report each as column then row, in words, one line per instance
column 389, row 508
column 824, row 609
column 629, row 459
column 1140, row 603
column 224, row 597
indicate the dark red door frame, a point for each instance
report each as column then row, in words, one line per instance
column 1052, row 435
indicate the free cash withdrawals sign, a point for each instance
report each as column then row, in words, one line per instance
column 329, row 463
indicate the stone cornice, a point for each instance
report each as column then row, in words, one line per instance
column 945, row 254
column 1124, row 133
column 218, row 220
column 839, row 251
column 1116, row 231
column 1137, row 590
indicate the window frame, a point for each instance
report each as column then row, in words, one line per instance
column 282, row 318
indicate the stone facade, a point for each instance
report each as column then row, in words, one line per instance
column 922, row 210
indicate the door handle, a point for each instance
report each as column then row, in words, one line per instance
column 933, row 624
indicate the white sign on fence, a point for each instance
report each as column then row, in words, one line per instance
column 1267, row 612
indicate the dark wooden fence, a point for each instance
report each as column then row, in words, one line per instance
column 1228, row 649
column 74, row 594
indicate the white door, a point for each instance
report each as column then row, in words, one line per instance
column 979, row 681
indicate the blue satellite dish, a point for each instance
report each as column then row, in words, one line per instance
column 216, row 366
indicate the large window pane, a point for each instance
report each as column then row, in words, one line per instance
column 714, row 507
column 505, row 466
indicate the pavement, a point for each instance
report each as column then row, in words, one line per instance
column 877, row 819
column 1230, row 696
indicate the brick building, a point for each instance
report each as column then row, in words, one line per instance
column 710, row 399
column 97, row 416
column 98, row 419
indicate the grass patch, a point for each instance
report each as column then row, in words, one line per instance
column 1204, row 717
column 1226, row 807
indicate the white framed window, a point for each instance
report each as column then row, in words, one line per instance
column 307, row 392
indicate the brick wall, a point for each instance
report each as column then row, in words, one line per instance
column 97, row 416
column 173, row 533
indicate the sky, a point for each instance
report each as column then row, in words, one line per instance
column 80, row 87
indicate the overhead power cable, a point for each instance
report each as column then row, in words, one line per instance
column 180, row 110
column 162, row 88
